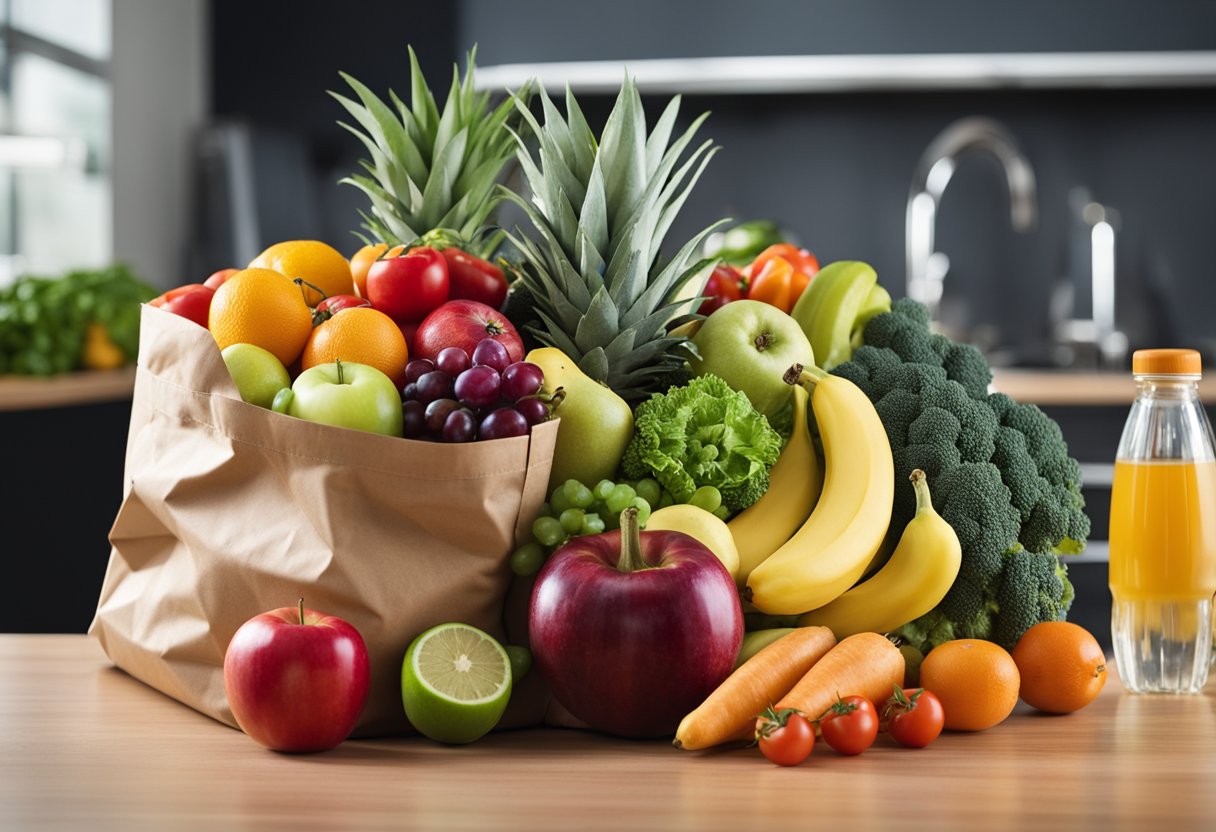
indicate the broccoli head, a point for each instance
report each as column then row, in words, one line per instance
column 905, row 331
column 1033, row 588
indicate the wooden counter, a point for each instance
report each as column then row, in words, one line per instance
column 86, row 747
column 1066, row 387
column 85, row 387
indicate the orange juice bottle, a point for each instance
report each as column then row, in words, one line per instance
column 1163, row 530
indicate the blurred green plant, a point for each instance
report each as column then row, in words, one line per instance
column 43, row 319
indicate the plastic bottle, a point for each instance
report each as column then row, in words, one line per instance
column 1163, row 530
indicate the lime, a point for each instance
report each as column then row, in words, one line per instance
column 455, row 683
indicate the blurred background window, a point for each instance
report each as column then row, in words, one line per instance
column 55, row 120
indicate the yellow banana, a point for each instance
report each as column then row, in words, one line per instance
column 830, row 551
column 916, row 578
column 793, row 489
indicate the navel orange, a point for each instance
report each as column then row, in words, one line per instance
column 976, row 681
column 1061, row 665
column 362, row 335
column 263, row 308
column 321, row 265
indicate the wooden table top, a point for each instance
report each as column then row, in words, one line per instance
column 84, row 746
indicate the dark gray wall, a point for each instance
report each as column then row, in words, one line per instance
column 836, row 168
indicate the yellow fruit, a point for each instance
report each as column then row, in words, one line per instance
column 832, row 548
column 263, row 308
column 321, row 265
column 794, row 486
column 361, row 335
column 1062, row 667
column 702, row 527
column 918, row 575
column 100, row 352
column 976, row 681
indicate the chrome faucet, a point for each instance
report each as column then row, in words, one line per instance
column 927, row 268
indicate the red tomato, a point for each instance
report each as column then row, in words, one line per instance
column 850, row 725
column 334, row 304
column 192, row 301
column 409, row 287
column 216, row 280
column 472, row 278
column 724, row 285
column 785, row 737
column 915, row 717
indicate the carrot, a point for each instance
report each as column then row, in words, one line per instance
column 730, row 711
column 865, row 664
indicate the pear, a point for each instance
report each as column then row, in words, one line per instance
column 596, row 423
column 703, row 527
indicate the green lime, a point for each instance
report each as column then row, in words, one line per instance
column 455, row 683
column 521, row 661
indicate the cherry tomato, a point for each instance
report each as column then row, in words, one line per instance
column 334, row 304
column 850, row 725
column 216, row 280
column 472, row 278
column 915, row 717
column 409, row 287
column 785, row 737
column 192, row 301
column 724, row 285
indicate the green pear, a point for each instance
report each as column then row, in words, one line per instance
column 596, row 424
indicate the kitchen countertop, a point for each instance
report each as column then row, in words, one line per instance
column 83, row 745
column 1079, row 388
column 85, row 387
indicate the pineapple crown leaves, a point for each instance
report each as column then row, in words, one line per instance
column 430, row 168
column 601, row 209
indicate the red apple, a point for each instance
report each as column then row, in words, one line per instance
column 464, row 324
column 296, row 679
column 192, row 301
column 632, row 631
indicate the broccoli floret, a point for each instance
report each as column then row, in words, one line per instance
column 1033, row 588
column 746, row 493
column 905, row 331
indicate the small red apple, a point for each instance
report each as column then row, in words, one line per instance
column 632, row 631
column 192, row 301
column 297, row 679
column 465, row 324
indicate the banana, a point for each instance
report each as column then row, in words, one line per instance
column 828, row 307
column 920, row 572
column 830, row 551
column 794, row 485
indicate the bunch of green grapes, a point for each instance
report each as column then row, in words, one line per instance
column 575, row 510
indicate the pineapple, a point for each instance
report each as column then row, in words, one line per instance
column 431, row 171
column 601, row 291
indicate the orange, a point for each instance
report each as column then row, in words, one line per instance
column 321, row 265
column 1062, row 666
column 264, row 308
column 361, row 263
column 361, row 335
column 976, row 681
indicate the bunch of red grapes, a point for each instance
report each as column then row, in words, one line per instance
column 462, row 398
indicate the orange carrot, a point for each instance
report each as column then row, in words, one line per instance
column 865, row 664
column 730, row 711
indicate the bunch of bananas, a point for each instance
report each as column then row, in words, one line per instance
column 820, row 527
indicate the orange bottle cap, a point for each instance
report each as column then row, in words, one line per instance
column 1166, row 363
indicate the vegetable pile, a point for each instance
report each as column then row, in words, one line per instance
column 1002, row 478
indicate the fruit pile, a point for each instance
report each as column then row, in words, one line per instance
column 775, row 448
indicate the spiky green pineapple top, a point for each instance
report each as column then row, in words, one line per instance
column 430, row 170
column 601, row 210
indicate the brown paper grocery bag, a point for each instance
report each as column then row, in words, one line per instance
column 231, row 510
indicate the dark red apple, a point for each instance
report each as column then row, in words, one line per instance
column 297, row 679
column 632, row 631
column 464, row 324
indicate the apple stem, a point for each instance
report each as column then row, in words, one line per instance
column 338, row 361
column 631, row 542
column 301, row 612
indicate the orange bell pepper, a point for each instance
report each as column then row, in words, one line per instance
column 779, row 275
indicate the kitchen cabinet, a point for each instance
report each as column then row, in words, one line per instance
column 88, row 746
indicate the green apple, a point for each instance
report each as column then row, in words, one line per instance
column 596, row 424
column 344, row 394
column 750, row 345
column 258, row 375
